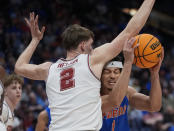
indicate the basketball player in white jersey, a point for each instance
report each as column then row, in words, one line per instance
column 72, row 84
column 10, row 96
column 2, row 74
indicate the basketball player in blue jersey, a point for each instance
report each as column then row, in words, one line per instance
column 43, row 120
column 72, row 84
column 117, row 95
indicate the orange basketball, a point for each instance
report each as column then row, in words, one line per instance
column 148, row 52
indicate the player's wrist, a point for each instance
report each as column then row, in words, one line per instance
column 154, row 74
column 128, row 62
column 35, row 39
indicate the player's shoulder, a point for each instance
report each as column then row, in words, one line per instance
column 43, row 114
column 45, row 65
column 83, row 55
column 5, row 112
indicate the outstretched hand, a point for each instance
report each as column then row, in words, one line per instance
column 128, row 50
column 34, row 28
column 156, row 68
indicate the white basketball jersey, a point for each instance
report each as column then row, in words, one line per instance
column 2, row 127
column 7, row 116
column 74, row 96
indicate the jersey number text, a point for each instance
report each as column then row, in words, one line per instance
column 66, row 79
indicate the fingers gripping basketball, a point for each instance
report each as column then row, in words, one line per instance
column 148, row 53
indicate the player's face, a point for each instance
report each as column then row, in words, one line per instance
column 109, row 78
column 14, row 91
column 88, row 46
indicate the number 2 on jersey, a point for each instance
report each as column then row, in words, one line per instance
column 66, row 79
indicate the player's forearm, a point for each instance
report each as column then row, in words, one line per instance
column 120, row 90
column 155, row 93
column 25, row 57
column 133, row 28
column 139, row 19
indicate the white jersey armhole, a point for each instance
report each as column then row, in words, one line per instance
column 88, row 61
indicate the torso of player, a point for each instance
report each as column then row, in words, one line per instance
column 7, row 117
column 116, row 120
column 74, row 95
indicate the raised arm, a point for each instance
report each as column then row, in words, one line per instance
column 108, row 51
column 118, row 92
column 153, row 102
column 22, row 66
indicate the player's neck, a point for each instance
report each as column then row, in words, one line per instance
column 10, row 104
column 72, row 54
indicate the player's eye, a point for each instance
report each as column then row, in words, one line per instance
column 117, row 71
column 20, row 88
column 106, row 71
column 14, row 87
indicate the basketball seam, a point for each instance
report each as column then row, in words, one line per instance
column 147, row 44
column 135, row 57
column 150, row 53
column 149, row 60
column 139, row 53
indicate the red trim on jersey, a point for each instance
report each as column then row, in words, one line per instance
column 91, row 70
column 70, row 59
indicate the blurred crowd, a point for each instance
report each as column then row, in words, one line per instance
column 106, row 20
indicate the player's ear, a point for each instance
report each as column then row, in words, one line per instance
column 82, row 46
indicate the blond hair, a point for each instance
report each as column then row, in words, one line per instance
column 13, row 77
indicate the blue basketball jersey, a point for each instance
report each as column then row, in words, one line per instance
column 116, row 120
column 49, row 116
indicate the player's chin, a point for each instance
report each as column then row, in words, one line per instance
column 18, row 98
column 109, row 89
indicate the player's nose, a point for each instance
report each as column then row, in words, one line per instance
column 18, row 90
column 112, row 75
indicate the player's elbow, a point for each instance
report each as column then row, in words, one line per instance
column 16, row 70
column 155, row 108
column 19, row 69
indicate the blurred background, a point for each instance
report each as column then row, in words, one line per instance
column 106, row 18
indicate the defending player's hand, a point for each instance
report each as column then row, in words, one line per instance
column 156, row 68
column 128, row 50
column 34, row 28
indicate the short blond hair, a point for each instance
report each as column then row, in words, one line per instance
column 13, row 77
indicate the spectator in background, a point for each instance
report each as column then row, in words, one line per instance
column 12, row 87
